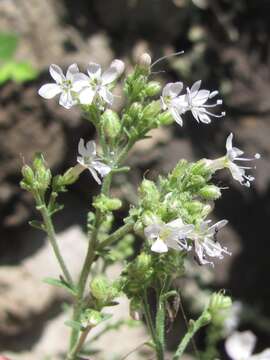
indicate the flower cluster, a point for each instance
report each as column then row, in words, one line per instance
column 77, row 87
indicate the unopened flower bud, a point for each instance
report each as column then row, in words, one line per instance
column 152, row 88
column 145, row 60
column 210, row 192
column 38, row 162
column 165, row 118
column 148, row 191
column 149, row 218
column 90, row 318
column 111, row 124
column 219, row 302
column 100, row 286
column 143, row 263
column 152, row 110
column 105, row 204
column 197, row 181
column 135, row 110
column 28, row 174
column 194, row 207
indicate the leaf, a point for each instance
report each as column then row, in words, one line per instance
column 62, row 284
column 5, row 73
column 23, row 71
column 73, row 324
column 37, row 225
column 8, row 45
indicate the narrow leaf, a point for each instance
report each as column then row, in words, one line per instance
column 62, row 284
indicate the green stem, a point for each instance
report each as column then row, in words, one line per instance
column 118, row 234
column 79, row 345
column 151, row 329
column 193, row 328
column 52, row 237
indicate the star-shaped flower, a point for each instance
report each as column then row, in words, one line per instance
column 171, row 235
column 63, row 85
column 195, row 100
column 97, row 83
column 240, row 346
column 205, row 242
column 228, row 161
column 89, row 159
column 168, row 99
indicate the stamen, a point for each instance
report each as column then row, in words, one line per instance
column 166, row 57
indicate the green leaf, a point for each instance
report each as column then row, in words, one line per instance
column 5, row 73
column 37, row 225
column 62, row 284
column 73, row 324
column 23, row 71
column 8, row 45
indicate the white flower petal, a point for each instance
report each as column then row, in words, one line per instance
column 91, row 148
column 178, row 223
column 152, row 231
column 159, row 246
column 71, row 71
column 229, row 142
column 240, row 345
column 176, row 116
column 237, row 172
column 172, row 89
column 48, row 91
column 106, row 95
column 86, row 96
column 66, row 100
column 94, row 71
column 81, row 148
column 80, row 81
column 57, row 73
column 113, row 72
column 95, row 175
column 204, row 118
column 265, row 355
column 195, row 87
column 201, row 97
column 101, row 168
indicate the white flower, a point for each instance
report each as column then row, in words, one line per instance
column 234, row 154
column 205, row 242
column 97, row 83
column 169, row 98
column 240, row 345
column 195, row 101
column 89, row 160
column 172, row 235
column 63, row 85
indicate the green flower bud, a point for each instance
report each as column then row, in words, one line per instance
column 205, row 318
column 39, row 162
column 139, row 228
column 197, row 181
column 103, row 290
column 152, row 110
column 28, row 175
column 105, row 204
column 135, row 110
column 210, row 192
column 149, row 218
column 206, row 210
column 194, row 207
column 200, row 168
column 152, row 88
column 145, row 61
column 165, row 118
column 219, row 302
column 90, row 318
column 143, row 262
column 111, row 124
column 149, row 193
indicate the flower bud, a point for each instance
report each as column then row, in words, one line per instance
column 206, row 210
column 197, row 181
column 105, row 204
column 205, row 318
column 210, row 192
column 165, row 118
column 111, row 124
column 152, row 110
column 91, row 318
column 149, row 193
column 39, row 162
column 219, row 302
column 28, row 174
column 135, row 110
column 100, row 287
column 145, row 61
column 152, row 88
column 143, row 263
column 194, row 207
column 149, row 218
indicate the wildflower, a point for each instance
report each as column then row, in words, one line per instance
column 227, row 161
column 172, row 235
column 97, row 83
column 240, row 345
column 169, row 100
column 195, row 101
column 89, row 160
column 205, row 242
column 63, row 85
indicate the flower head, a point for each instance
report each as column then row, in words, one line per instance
column 63, row 85
column 89, row 159
column 97, row 83
column 171, row 235
column 228, row 161
column 205, row 242
column 240, row 345
column 195, row 100
column 169, row 100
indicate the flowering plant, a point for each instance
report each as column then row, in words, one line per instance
column 171, row 215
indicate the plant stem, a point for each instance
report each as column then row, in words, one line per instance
column 119, row 233
column 151, row 329
column 193, row 328
column 52, row 237
column 80, row 343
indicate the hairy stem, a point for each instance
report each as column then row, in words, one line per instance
column 52, row 237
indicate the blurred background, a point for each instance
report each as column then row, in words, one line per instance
column 227, row 46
